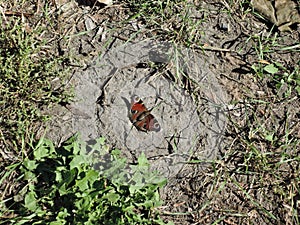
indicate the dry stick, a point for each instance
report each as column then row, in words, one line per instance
column 37, row 7
column 12, row 13
column 211, row 48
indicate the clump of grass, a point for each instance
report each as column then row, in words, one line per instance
column 27, row 73
column 172, row 20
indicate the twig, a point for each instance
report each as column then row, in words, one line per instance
column 211, row 48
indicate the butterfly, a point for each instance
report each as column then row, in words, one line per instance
column 141, row 117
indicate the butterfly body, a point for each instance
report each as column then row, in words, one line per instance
column 141, row 117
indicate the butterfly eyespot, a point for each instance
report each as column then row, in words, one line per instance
column 133, row 111
column 136, row 98
column 156, row 125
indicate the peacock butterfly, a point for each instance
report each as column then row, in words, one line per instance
column 141, row 117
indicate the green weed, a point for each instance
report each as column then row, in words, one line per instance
column 62, row 187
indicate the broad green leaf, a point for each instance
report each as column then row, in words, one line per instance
column 41, row 152
column 87, row 182
column 112, row 197
column 77, row 161
column 30, row 201
column 271, row 69
column 45, row 148
column 30, row 164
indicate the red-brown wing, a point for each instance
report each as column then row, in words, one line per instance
column 148, row 123
column 141, row 125
column 151, row 123
column 141, row 117
column 137, row 109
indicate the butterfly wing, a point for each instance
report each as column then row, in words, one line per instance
column 137, row 108
column 151, row 123
column 141, row 117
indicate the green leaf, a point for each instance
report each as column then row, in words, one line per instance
column 271, row 69
column 30, row 164
column 142, row 160
column 62, row 189
column 41, row 152
column 65, row 178
column 30, row 201
column 101, row 141
column 112, row 197
column 60, row 218
column 88, row 181
column 77, row 161
column 269, row 137
column 279, row 65
column 44, row 148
